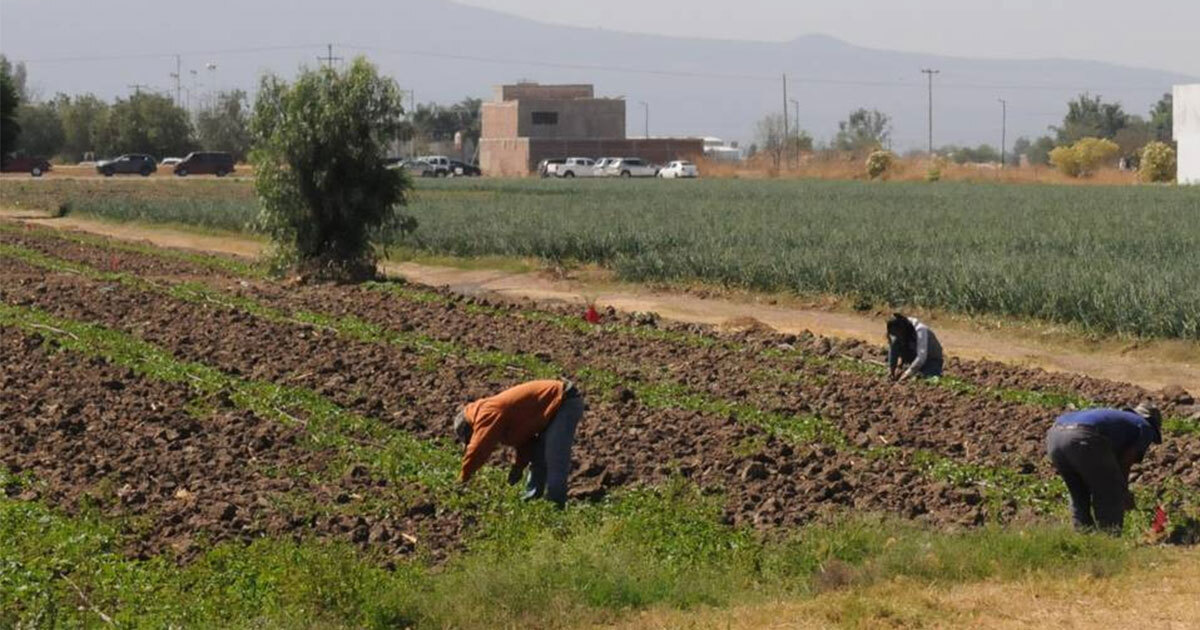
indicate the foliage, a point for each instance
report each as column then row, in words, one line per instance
column 1084, row 157
column 145, row 123
column 781, row 145
column 41, row 129
column 1131, row 138
column 1038, row 151
column 1162, row 118
column 18, row 74
column 225, row 125
column 1158, row 163
column 934, row 172
column 320, row 145
column 84, row 119
column 1090, row 117
column 982, row 154
column 1067, row 245
column 430, row 122
column 10, row 131
column 879, row 163
column 864, row 130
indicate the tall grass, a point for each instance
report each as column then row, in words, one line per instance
column 1110, row 259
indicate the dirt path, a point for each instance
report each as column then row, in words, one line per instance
column 1152, row 366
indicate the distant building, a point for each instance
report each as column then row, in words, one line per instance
column 1187, row 132
column 527, row 123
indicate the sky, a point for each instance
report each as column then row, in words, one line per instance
column 1160, row 34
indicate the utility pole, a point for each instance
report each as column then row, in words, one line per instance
column 329, row 58
column 796, row 119
column 646, row 107
column 178, row 86
column 137, row 88
column 930, row 72
column 1003, row 132
column 785, row 113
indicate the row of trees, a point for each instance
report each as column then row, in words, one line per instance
column 864, row 131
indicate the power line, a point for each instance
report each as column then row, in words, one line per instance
column 328, row 59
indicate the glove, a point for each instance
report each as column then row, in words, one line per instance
column 514, row 475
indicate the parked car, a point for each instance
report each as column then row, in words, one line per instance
column 128, row 164
column 205, row 163
column 170, row 161
column 631, row 167
column 600, row 168
column 35, row 166
column 439, row 163
column 679, row 169
column 462, row 169
column 416, row 168
column 544, row 167
column 576, row 167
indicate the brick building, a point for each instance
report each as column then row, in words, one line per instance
column 527, row 123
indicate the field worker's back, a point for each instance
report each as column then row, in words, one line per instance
column 513, row 417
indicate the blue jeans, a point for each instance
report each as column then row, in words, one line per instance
column 1088, row 465
column 551, row 461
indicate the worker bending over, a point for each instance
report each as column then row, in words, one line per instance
column 538, row 420
column 1093, row 451
column 912, row 343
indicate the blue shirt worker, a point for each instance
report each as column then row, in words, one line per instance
column 1093, row 451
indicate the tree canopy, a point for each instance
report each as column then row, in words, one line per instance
column 864, row 130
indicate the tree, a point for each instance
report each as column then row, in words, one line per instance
column 319, row 149
column 436, row 123
column 1158, row 163
column 771, row 139
column 10, row 131
column 864, row 130
column 1131, row 138
column 1162, row 119
column 41, row 129
column 225, row 125
column 1039, row 151
column 18, row 75
column 982, row 154
column 146, row 123
column 1090, row 117
column 1022, row 146
column 84, row 121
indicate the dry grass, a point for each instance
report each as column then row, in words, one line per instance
column 906, row 169
column 1158, row 595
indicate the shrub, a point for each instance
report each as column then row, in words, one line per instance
column 1084, row 157
column 1158, row 163
column 879, row 163
column 934, row 173
column 319, row 149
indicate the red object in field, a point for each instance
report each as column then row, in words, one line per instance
column 1160, row 520
column 592, row 316
column 113, row 263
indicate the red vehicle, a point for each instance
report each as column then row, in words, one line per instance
column 35, row 166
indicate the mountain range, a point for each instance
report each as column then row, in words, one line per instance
column 444, row 51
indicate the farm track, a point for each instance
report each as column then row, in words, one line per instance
column 769, row 482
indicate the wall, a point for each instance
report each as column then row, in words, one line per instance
column 504, row 157
column 588, row 118
column 1187, row 132
column 523, row 91
column 499, row 120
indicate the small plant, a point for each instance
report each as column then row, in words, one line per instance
column 1084, row 157
column 879, row 163
column 934, row 173
column 1158, row 163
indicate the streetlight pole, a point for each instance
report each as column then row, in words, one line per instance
column 796, row 119
column 930, row 72
column 1003, row 132
column 646, row 108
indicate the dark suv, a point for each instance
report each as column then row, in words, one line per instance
column 128, row 164
column 205, row 163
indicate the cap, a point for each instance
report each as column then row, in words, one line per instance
column 1149, row 411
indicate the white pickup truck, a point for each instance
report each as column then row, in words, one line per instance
column 573, row 167
column 630, row 167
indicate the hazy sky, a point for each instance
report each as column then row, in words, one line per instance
column 1162, row 34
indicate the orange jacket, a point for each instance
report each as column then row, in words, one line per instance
column 513, row 417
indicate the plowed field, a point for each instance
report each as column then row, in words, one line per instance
column 210, row 403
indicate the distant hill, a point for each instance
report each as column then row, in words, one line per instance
column 445, row 51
